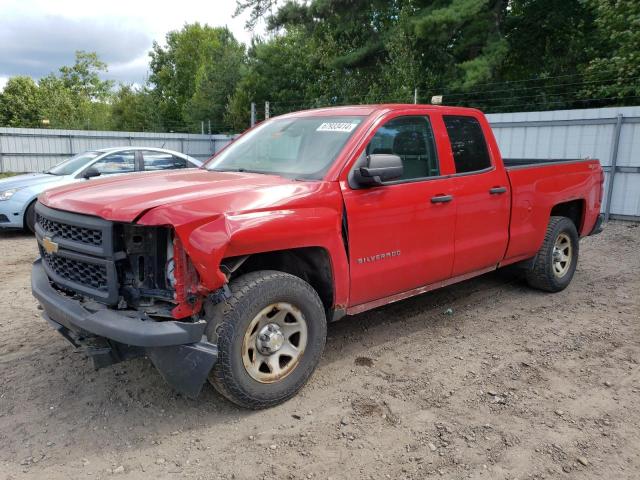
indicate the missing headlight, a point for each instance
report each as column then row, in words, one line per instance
column 145, row 274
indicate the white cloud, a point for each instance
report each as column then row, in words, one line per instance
column 38, row 36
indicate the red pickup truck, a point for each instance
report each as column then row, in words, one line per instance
column 231, row 272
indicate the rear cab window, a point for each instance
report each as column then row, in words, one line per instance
column 468, row 145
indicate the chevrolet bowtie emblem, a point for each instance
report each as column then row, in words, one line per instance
column 49, row 245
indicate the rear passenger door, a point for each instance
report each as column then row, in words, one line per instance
column 154, row 161
column 481, row 191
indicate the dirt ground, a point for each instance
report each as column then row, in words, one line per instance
column 486, row 379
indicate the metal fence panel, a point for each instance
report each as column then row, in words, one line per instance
column 558, row 134
column 581, row 133
column 35, row 150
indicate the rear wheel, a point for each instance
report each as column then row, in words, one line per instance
column 557, row 258
column 30, row 217
column 270, row 336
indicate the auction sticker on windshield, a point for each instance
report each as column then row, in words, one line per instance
column 336, row 127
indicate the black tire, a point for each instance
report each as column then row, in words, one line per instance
column 30, row 218
column 230, row 320
column 543, row 275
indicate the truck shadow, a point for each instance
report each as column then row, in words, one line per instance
column 431, row 311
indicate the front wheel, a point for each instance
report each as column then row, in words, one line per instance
column 557, row 258
column 30, row 217
column 270, row 336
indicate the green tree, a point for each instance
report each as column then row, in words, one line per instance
column 60, row 105
column 77, row 97
column 238, row 115
column 216, row 79
column 346, row 42
column 133, row 109
column 499, row 55
column 20, row 103
column 381, row 50
column 614, row 70
column 548, row 45
column 186, row 64
column 83, row 77
column 280, row 71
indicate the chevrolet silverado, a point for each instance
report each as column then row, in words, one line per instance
column 232, row 272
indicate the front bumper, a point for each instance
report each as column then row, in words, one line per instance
column 11, row 214
column 178, row 350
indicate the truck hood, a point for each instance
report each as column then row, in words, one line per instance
column 200, row 192
column 28, row 180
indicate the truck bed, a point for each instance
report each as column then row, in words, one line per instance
column 539, row 184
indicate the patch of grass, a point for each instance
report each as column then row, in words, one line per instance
column 8, row 174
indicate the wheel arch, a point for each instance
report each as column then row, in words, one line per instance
column 27, row 204
column 311, row 264
column 574, row 210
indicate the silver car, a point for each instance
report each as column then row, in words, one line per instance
column 18, row 194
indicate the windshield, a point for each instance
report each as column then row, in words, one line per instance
column 302, row 148
column 74, row 163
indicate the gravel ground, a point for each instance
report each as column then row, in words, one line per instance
column 485, row 379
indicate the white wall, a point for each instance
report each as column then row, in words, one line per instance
column 579, row 134
column 35, row 150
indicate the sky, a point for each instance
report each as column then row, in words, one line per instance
column 39, row 36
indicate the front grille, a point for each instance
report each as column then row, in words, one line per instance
column 71, row 232
column 78, row 253
column 76, row 271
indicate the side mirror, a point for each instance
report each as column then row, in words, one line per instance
column 380, row 168
column 90, row 173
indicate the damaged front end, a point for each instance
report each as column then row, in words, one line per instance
column 121, row 291
column 156, row 275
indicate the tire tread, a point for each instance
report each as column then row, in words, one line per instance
column 539, row 276
column 221, row 376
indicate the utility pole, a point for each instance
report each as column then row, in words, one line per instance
column 266, row 110
column 253, row 113
column 202, row 127
column 415, row 95
column 209, row 126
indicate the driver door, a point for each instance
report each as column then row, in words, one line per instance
column 401, row 233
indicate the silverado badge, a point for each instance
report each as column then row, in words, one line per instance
column 379, row 256
column 49, row 245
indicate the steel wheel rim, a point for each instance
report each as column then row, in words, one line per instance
column 280, row 321
column 562, row 255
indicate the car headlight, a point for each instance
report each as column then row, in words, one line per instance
column 7, row 194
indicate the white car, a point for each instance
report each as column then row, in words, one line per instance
column 18, row 194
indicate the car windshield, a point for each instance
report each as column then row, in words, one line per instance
column 301, row 148
column 74, row 163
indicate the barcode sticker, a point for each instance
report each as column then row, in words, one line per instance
column 344, row 127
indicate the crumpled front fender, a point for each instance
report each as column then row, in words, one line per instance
column 310, row 220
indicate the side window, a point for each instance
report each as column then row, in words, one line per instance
column 411, row 138
column 162, row 161
column 120, row 162
column 469, row 147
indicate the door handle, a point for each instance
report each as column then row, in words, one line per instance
column 441, row 198
column 497, row 190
